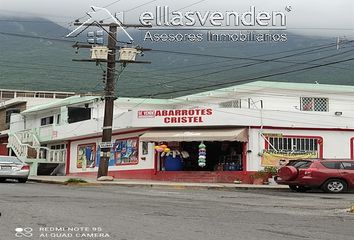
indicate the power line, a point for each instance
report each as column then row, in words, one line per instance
column 261, row 55
column 37, row 37
column 141, row 5
column 217, row 56
column 247, row 80
column 247, row 65
column 238, row 66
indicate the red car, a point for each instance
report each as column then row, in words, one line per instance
column 333, row 176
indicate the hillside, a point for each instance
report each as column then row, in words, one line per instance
column 44, row 64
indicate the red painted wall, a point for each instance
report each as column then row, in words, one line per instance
column 3, row 149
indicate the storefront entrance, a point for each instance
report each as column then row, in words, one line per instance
column 199, row 155
column 220, row 156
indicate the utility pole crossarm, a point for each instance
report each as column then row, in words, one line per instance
column 82, row 45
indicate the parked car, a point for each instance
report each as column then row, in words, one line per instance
column 333, row 176
column 13, row 168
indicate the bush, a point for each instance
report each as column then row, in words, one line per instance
column 271, row 170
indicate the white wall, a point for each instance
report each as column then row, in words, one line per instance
column 336, row 144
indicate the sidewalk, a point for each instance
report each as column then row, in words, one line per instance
column 158, row 184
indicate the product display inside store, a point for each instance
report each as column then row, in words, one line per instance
column 200, row 156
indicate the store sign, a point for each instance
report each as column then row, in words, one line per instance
column 177, row 115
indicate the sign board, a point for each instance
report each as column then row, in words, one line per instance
column 105, row 145
column 171, row 116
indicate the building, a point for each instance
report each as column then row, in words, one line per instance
column 235, row 131
column 16, row 101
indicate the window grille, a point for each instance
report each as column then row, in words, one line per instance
column 231, row 104
column 314, row 104
column 293, row 145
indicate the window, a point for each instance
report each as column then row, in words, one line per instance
column 231, row 104
column 9, row 112
column 347, row 165
column 145, row 148
column 78, row 114
column 331, row 165
column 126, row 151
column 58, row 119
column 314, row 104
column 47, row 120
column 300, row 164
column 58, row 147
column 293, row 144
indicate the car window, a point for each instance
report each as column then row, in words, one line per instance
column 347, row 165
column 300, row 164
column 331, row 165
column 10, row 160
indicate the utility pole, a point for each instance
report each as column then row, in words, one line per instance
column 109, row 101
column 109, row 90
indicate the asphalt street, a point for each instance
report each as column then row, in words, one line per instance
column 48, row 211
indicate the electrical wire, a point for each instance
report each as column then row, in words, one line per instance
column 247, row 65
column 141, row 5
column 244, row 80
column 163, row 76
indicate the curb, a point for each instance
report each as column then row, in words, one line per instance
column 158, row 185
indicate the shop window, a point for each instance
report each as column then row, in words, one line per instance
column 314, row 104
column 126, row 151
column 86, row 154
column 47, row 120
column 78, row 114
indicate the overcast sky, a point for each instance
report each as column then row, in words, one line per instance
column 318, row 17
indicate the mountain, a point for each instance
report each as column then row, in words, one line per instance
column 35, row 56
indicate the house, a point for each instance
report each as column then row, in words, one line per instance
column 16, row 101
column 214, row 136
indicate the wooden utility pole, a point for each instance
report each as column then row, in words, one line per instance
column 109, row 98
column 109, row 90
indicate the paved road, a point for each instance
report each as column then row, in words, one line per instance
column 132, row 213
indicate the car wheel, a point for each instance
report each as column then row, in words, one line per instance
column 297, row 188
column 334, row 186
column 22, row 180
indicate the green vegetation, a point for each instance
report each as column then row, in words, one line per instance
column 45, row 64
column 271, row 170
column 75, row 180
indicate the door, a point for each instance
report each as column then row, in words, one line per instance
column 347, row 171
